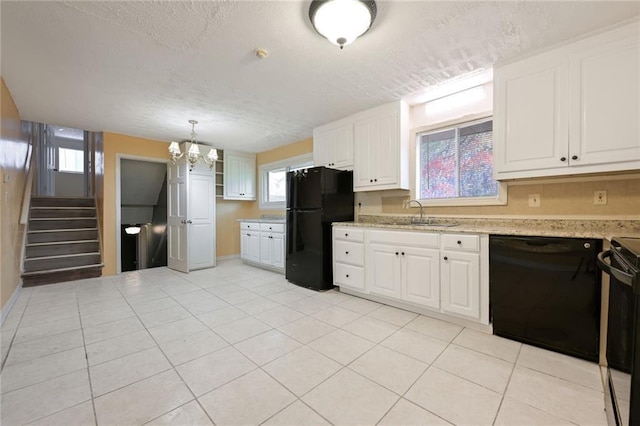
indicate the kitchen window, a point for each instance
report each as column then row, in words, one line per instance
column 273, row 182
column 70, row 160
column 455, row 165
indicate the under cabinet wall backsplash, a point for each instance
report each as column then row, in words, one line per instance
column 557, row 199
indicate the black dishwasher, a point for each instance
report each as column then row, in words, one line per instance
column 546, row 292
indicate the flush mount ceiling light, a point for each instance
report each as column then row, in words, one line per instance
column 342, row 21
column 193, row 153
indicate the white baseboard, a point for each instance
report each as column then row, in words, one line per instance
column 4, row 311
column 230, row 257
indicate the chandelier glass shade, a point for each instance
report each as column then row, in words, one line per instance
column 193, row 155
column 342, row 21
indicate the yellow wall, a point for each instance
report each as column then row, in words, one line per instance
column 114, row 144
column 228, row 212
column 228, row 242
column 558, row 199
column 15, row 153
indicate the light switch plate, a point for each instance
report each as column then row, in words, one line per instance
column 600, row 198
column 534, row 200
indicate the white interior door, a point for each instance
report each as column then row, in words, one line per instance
column 177, row 238
column 201, row 218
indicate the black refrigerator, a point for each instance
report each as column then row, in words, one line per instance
column 316, row 197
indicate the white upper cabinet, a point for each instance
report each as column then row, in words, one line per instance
column 531, row 120
column 381, row 148
column 570, row 110
column 605, row 99
column 239, row 176
column 333, row 145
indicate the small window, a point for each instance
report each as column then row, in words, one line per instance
column 273, row 180
column 70, row 160
column 457, row 163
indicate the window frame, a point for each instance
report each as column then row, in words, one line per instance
column 71, row 172
column 499, row 200
column 263, row 173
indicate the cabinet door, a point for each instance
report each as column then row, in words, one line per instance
column 277, row 250
column 239, row 176
column 321, row 148
column 383, row 270
column 250, row 245
column 385, row 159
column 605, row 99
column 342, row 147
column 531, row 123
column 365, row 154
column 334, row 147
column 377, row 151
column 460, row 283
column 265, row 249
column 248, row 178
column 421, row 276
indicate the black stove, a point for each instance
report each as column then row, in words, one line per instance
column 623, row 331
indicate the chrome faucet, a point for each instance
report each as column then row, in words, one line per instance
column 420, row 204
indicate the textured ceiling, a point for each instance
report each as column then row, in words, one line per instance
column 144, row 68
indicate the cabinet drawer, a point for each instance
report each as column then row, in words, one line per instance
column 461, row 242
column 348, row 234
column 250, row 225
column 348, row 252
column 349, row 276
column 272, row 227
column 402, row 238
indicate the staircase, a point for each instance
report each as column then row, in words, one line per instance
column 62, row 241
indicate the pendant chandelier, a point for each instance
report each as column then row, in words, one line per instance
column 342, row 21
column 193, row 153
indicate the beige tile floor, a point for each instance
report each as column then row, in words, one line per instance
column 236, row 345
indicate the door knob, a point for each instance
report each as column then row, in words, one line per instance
column 446, row 258
column 575, row 157
column 183, row 221
column 563, row 159
column 189, row 221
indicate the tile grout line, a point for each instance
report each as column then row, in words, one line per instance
column 15, row 332
column 168, row 361
column 513, row 369
column 86, row 359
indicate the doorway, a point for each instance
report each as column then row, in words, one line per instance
column 141, row 203
column 63, row 161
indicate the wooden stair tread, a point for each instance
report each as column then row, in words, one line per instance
column 60, row 256
column 63, row 208
column 53, row 243
column 34, row 219
column 72, row 268
column 40, row 231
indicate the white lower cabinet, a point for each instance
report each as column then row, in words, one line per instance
column 460, row 283
column 348, row 258
column 262, row 244
column 441, row 273
column 250, row 245
column 272, row 249
column 384, row 271
column 421, row 276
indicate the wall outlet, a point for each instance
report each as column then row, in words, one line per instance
column 534, row 200
column 599, row 198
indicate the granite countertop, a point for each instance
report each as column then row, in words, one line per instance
column 533, row 227
column 265, row 219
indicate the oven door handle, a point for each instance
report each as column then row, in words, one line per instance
column 621, row 276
